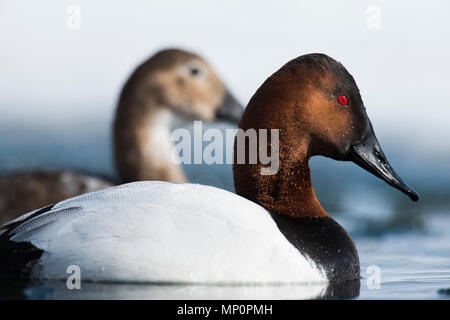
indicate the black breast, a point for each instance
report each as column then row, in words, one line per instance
column 325, row 242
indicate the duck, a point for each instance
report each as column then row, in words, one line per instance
column 24, row 190
column 170, row 89
column 272, row 230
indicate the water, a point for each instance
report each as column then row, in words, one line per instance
column 412, row 264
column 403, row 244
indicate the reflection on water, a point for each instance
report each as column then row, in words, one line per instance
column 58, row 290
column 409, row 242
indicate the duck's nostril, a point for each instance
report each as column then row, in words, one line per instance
column 381, row 161
column 378, row 155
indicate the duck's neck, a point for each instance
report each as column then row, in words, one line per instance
column 142, row 147
column 289, row 191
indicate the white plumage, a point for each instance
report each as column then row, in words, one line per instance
column 165, row 232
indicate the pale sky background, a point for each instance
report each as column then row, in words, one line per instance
column 51, row 76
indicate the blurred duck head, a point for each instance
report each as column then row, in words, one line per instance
column 166, row 91
column 184, row 83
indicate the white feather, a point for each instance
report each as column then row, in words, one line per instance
column 165, row 232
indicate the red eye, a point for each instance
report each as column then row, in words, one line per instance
column 343, row 100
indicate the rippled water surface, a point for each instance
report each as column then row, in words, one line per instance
column 403, row 244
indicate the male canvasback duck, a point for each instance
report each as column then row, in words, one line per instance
column 170, row 89
column 272, row 231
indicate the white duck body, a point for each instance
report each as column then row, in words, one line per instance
column 164, row 232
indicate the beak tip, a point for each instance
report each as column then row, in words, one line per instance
column 410, row 192
column 414, row 196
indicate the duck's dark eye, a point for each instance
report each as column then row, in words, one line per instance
column 343, row 100
column 194, row 71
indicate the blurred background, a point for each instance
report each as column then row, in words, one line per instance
column 59, row 87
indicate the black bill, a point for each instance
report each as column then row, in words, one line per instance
column 369, row 156
column 230, row 109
